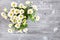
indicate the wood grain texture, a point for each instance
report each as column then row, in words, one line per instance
column 49, row 12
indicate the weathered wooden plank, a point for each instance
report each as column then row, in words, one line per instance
column 50, row 18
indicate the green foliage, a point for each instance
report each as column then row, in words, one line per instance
column 22, row 26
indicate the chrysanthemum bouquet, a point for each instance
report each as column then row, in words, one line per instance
column 19, row 14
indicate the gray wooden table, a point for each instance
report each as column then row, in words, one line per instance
column 48, row 28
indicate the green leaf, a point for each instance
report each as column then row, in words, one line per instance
column 22, row 26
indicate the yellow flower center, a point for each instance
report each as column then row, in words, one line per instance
column 17, row 25
column 16, row 11
column 14, row 20
column 18, row 20
column 29, row 11
column 12, row 10
column 13, row 4
column 11, row 14
column 20, row 16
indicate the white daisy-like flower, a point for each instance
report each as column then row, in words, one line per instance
column 5, row 9
column 21, row 11
column 16, row 11
column 13, row 4
column 35, row 7
column 10, row 14
column 14, row 17
column 12, row 10
column 10, row 30
column 10, row 25
column 3, row 15
column 17, row 25
column 28, row 2
column 21, row 5
column 14, row 20
column 20, row 17
column 25, row 30
column 37, row 18
column 19, row 21
column 30, row 11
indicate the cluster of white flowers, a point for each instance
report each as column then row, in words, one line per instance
column 18, row 15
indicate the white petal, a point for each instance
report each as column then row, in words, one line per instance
column 37, row 18
column 35, row 7
column 10, row 25
column 10, row 30
column 13, row 4
column 27, row 2
column 25, row 30
column 55, row 29
column 5, row 9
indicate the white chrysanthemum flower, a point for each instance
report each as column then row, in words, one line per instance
column 14, row 17
column 20, row 31
column 19, row 21
column 20, row 17
column 21, row 11
column 14, row 20
column 10, row 25
column 30, row 11
column 12, row 10
column 16, row 11
column 3, row 15
column 37, row 18
column 5, row 9
column 10, row 30
column 27, row 2
column 10, row 14
column 35, row 7
column 25, row 30
column 17, row 25
column 13, row 4
column 21, row 5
